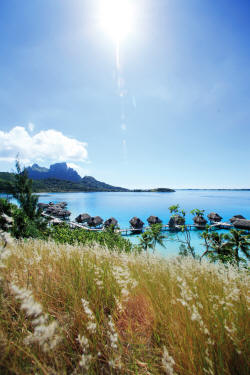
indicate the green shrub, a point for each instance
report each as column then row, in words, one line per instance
column 108, row 238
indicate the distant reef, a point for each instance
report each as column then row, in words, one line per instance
column 157, row 190
column 61, row 178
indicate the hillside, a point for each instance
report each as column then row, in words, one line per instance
column 53, row 184
column 85, row 310
column 86, row 184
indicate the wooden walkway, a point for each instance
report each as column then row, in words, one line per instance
column 221, row 225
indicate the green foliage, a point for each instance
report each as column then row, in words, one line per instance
column 5, row 209
column 177, row 215
column 112, row 240
column 186, row 248
column 110, row 228
column 238, row 241
column 24, row 227
column 226, row 247
column 146, row 242
column 27, row 219
column 22, row 191
column 56, row 185
column 197, row 212
column 157, row 236
column 174, row 209
column 151, row 237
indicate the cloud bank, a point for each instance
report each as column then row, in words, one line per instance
column 46, row 146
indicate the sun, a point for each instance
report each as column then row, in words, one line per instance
column 117, row 18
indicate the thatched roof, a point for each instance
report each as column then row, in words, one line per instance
column 171, row 223
column 213, row 216
column 62, row 204
column 95, row 221
column 153, row 220
column 50, row 209
column 43, row 206
column 57, row 210
column 111, row 221
column 242, row 224
column 237, row 217
column 200, row 220
column 136, row 223
column 176, row 220
column 82, row 218
column 63, row 213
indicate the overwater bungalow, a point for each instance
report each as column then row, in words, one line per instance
column 175, row 221
column 200, row 222
column 58, row 211
column 82, row 218
column 43, row 206
column 65, row 213
column 95, row 221
column 62, row 204
column 136, row 224
column 154, row 220
column 214, row 217
column 111, row 221
column 237, row 217
column 242, row 224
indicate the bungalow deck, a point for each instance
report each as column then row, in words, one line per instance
column 131, row 231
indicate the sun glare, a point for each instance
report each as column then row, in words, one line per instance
column 117, row 18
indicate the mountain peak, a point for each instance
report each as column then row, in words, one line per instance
column 59, row 171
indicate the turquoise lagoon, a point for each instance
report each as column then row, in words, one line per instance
column 123, row 206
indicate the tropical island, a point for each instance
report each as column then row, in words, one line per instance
column 74, row 300
column 116, row 258
column 61, row 178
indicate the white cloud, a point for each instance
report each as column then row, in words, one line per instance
column 31, row 126
column 46, row 146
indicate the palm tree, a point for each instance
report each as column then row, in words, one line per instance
column 197, row 212
column 146, row 241
column 156, row 235
column 151, row 237
column 216, row 246
column 22, row 191
column 238, row 241
column 205, row 235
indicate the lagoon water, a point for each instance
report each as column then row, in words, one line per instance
column 123, row 206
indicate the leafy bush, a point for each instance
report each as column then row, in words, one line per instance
column 108, row 238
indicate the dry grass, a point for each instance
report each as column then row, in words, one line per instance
column 108, row 313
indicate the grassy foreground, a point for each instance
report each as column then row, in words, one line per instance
column 83, row 310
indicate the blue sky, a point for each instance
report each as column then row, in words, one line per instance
column 186, row 77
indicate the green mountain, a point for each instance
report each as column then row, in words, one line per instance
column 87, row 184
column 60, row 178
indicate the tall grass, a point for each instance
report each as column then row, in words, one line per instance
column 84, row 310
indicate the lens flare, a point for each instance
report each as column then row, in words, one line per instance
column 117, row 18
